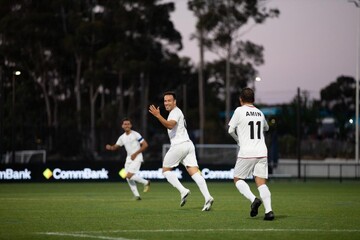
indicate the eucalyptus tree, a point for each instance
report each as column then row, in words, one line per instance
column 203, row 10
column 142, row 38
column 222, row 21
column 69, row 49
column 30, row 31
column 124, row 38
column 157, row 42
column 75, row 20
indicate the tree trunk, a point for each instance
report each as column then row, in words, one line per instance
column 227, row 87
column 201, row 88
column 131, row 106
column 120, row 96
column 47, row 108
column 93, row 96
column 78, row 93
column 144, row 81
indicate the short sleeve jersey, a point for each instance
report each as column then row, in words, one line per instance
column 131, row 142
column 250, row 125
column 179, row 133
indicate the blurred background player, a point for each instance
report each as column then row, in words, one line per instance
column 182, row 150
column 134, row 144
column 247, row 127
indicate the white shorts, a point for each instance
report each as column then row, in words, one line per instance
column 248, row 167
column 181, row 153
column 133, row 166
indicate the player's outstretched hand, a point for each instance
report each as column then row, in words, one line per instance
column 154, row 110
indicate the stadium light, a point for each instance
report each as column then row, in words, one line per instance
column 257, row 79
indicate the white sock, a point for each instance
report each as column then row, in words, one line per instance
column 133, row 187
column 174, row 181
column 139, row 179
column 244, row 189
column 266, row 197
column 200, row 181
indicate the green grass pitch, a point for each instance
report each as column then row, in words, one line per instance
column 304, row 210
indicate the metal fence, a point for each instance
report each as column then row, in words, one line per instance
column 326, row 169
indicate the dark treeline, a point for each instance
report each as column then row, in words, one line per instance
column 86, row 64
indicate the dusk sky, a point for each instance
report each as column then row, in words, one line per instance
column 308, row 46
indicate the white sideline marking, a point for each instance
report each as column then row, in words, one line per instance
column 85, row 234
column 235, row 230
column 81, row 235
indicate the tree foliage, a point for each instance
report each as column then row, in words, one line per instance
column 87, row 64
column 86, row 58
column 338, row 98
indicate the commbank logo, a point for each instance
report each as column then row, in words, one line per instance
column 10, row 174
column 86, row 173
column 47, row 173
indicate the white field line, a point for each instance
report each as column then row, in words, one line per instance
column 238, row 230
column 80, row 235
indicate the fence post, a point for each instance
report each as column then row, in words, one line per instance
column 340, row 168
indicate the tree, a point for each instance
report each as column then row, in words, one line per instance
column 338, row 98
column 29, row 34
column 222, row 21
column 76, row 50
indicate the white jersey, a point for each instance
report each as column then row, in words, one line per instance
column 131, row 142
column 250, row 125
column 177, row 134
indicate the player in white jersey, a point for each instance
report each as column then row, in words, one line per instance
column 182, row 150
column 247, row 127
column 134, row 145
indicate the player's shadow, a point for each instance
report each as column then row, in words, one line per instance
column 277, row 217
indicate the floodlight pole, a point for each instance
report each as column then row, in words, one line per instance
column 13, row 120
column 357, row 4
column 1, row 112
column 14, row 74
column 357, row 93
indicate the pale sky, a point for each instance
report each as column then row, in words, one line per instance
column 308, row 46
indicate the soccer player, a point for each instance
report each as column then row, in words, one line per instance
column 134, row 144
column 247, row 127
column 182, row 150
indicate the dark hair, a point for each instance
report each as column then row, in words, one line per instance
column 247, row 95
column 125, row 119
column 170, row 93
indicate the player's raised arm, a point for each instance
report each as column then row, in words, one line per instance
column 155, row 111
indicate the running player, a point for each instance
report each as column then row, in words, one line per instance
column 182, row 150
column 246, row 126
column 134, row 144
